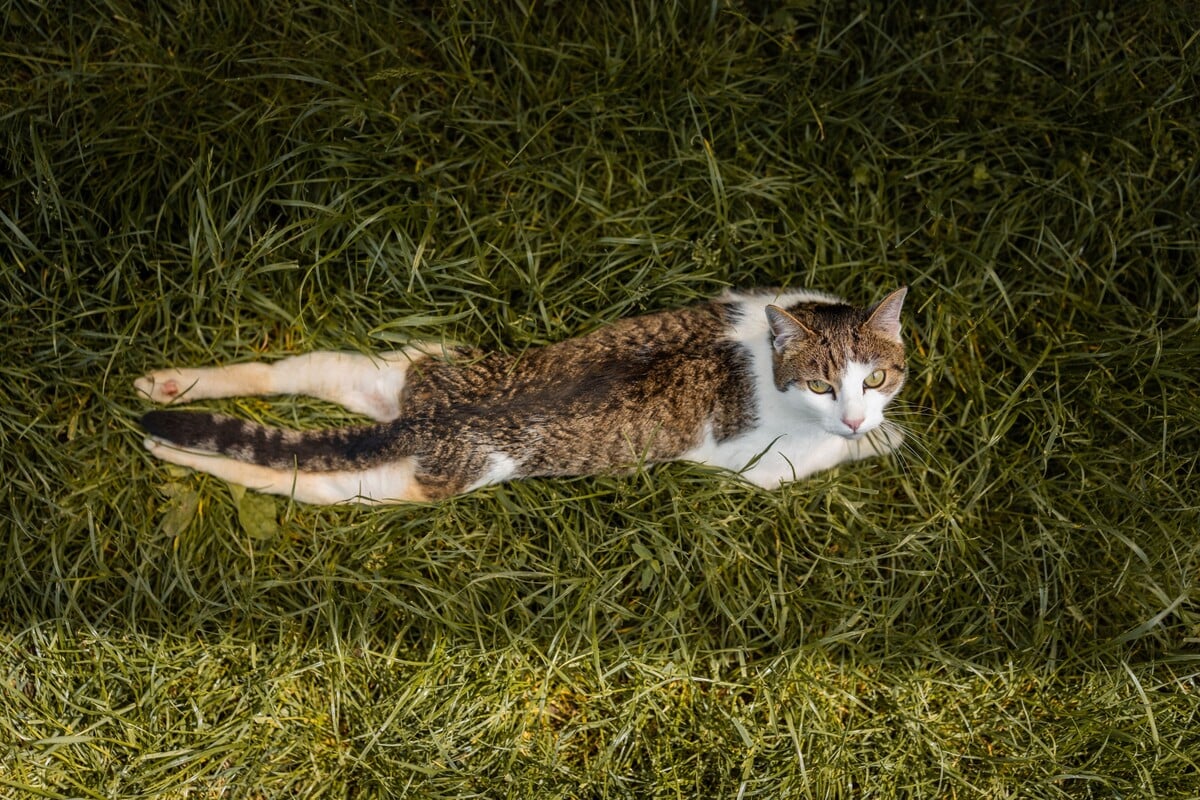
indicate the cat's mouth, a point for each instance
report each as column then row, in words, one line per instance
column 857, row 434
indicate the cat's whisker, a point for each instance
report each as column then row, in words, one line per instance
column 912, row 450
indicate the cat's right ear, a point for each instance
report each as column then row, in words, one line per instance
column 785, row 328
column 885, row 315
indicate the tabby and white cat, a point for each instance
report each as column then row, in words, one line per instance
column 772, row 385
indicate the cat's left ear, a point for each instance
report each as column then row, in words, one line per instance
column 885, row 315
column 785, row 327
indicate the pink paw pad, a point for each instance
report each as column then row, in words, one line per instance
column 169, row 388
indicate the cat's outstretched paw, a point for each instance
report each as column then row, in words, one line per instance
column 165, row 385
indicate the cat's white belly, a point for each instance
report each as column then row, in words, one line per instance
column 769, row 458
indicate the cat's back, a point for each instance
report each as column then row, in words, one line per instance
column 651, row 359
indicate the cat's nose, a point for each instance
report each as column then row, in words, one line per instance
column 853, row 424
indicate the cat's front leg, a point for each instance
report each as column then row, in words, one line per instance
column 789, row 461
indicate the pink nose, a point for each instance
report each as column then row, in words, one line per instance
column 852, row 424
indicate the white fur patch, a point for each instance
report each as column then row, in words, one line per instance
column 855, row 401
column 500, row 468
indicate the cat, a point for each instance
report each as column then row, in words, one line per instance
column 772, row 385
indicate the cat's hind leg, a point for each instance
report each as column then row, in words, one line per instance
column 393, row 482
column 369, row 385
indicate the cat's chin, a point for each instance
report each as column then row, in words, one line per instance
column 855, row 436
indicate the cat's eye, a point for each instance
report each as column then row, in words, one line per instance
column 820, row 387
column 875, row 379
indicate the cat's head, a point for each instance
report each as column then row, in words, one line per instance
column 840, row 364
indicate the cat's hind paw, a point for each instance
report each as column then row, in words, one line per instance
column 164, row 385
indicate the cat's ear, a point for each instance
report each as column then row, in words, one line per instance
column 885, row 315
column 785, row 328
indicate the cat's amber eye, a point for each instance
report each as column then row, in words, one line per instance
column 875, row 379
column 820, row 387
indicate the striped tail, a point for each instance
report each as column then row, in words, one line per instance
column 315, row 451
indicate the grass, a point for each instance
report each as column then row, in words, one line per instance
column 1009, row 609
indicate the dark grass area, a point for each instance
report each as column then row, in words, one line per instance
column 1010, row 609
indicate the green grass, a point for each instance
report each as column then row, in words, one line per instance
column 1011, row 609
